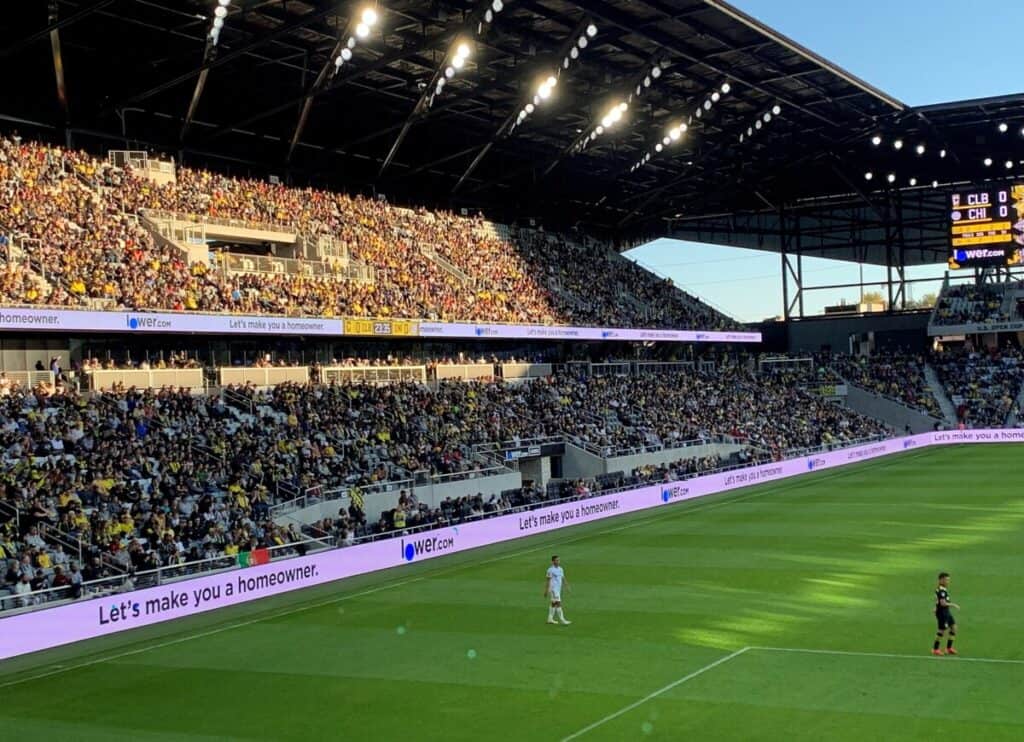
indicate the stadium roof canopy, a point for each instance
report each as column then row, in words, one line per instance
column 777, row 139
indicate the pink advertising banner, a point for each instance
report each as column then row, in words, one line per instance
column 32, row 319
column 89, row 618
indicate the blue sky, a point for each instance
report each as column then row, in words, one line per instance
column 919, row 51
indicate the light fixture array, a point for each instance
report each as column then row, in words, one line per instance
column 461, row 51
column 614, row 114
column 219, row 14
column 547, row 85
column 367, row 20
column 675, row 131
column 457, row 61
column 760, row 122
column 898, row 144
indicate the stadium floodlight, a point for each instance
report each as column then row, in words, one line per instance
column 220, row 11
column 935, row 184
column 741, row 138
column 891, row 177
column 489, row 15
column 707, row 105
column 674, row 133
column 338, row 62
column 726, row 88
column 942, row 153
column 699, row 112
column 544, row 92
column 1009, row 164
column 715, row 97
column 591, row 30
column 582, row 42
column 776, row 109
column 449, row 72
column 898, row 144
column 913, row 182
column 369, row 16
column 768, row 117
column 346, row 54
column 362, row 30
column 988, row 162
column 463, row 50
column 351, row 42
column 656, row 71
column 497, row 6
column 218, row 23
column 458, row 62
column 658, row 147
column 920, row 149
column 623, row 106
column 1022, row 131
column 750, row 131
column 666, row 140
column 647, row 81
column 599, row 131
column 869, row 175
column 876, row 140
column 530, row 108
column 565, row 63
column 224, row 3
column 1003, row 128
column 574, row 53
column 758, row 124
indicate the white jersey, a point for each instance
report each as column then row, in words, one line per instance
column 555, row 577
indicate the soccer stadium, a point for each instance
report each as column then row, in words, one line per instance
column 336, row 404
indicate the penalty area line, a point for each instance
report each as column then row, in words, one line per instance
column 655, row 694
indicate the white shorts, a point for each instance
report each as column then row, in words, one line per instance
column 556, row 597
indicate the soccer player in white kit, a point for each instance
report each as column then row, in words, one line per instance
column 553, row 590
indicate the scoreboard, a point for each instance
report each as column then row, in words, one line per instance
column 987, row 226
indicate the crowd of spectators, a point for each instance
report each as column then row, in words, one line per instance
column 149, row 478
column 77, row 220
column 983, row 384
column 899, row 376
column 350, row 525
column 969, row 303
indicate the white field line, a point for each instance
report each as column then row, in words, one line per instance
column 883, row 655
column 793, row 650
column 655, row 694
column 59, row 669
column 658, row 514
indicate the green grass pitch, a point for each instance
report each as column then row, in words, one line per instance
column 684, row 622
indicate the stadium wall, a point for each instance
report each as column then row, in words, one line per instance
column 894, row 414
column 44, row 629
column 891, row 331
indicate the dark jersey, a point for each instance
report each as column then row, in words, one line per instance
column 941, row 596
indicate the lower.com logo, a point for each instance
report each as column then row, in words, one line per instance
column 423, row 546
column 142, row 322
column 674, row 493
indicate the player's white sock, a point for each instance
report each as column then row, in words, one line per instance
column 561, row 616
column 551, row 614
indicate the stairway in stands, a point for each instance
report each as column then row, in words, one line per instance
column 939, row 392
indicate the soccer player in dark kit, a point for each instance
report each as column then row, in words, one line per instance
column 944, row 616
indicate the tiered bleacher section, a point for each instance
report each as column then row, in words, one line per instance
column 148, row 478
column 982, row 384
column 79, row 227
column 968, row 304
column 898, row 376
